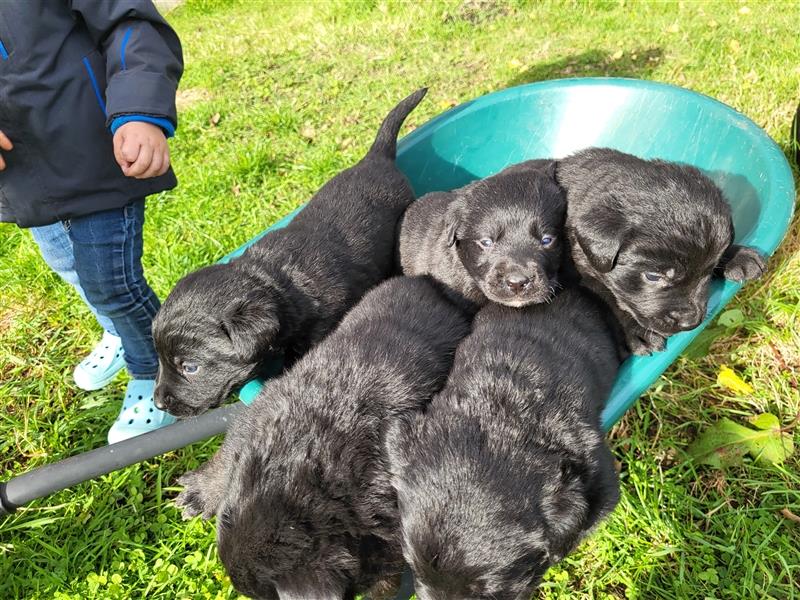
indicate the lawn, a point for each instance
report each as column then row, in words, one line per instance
column 277, row 98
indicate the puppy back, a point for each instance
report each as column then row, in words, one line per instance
column 406, row 330
column 559, row 358
column 649, row 189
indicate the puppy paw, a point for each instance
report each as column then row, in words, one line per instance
column 190, row 504
column 192, row 500
column 744, row 264
column 645, row 343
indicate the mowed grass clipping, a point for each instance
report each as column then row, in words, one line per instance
column 276, row 99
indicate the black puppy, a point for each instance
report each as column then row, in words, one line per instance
column 221, row 325
column 647, row 235
column 301, row 487
column 496, row 239
column 507, row 469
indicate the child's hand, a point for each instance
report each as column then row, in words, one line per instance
column 141, row 150
column 5, row 144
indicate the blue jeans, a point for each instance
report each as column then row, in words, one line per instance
column 101, row 256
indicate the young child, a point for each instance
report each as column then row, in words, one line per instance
column 87, row 102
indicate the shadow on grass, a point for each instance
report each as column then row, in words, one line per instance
column 594, row 63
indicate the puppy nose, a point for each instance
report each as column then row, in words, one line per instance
column 685, row 321
column 516, row 282
column 157, row 400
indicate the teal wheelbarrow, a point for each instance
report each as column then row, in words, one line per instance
column 481, row 137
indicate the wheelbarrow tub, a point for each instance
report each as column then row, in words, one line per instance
column 652, row 120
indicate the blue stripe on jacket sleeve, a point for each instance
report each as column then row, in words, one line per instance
column 96, row 87
column 165, row 124
column 3, row 51
column 124, row 45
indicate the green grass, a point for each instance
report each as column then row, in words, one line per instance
column 330, row 70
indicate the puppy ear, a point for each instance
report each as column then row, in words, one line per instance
column 252, row 325
column 564, row 503
column 585, row 492
column 454, row 220
column 600, row 235
column 740, row 263
column 601, row 485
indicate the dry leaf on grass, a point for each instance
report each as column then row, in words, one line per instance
column 787, row 514
column 307, row 132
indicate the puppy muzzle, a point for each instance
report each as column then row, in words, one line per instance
column 517, row 287
column 685, row 320
column 672, row 322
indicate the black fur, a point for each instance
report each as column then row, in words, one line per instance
column 289, row 289
column 300, row 487
column 508, row 469
column 441, row 233
column 628, row 217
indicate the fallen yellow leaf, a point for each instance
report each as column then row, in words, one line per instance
column 617, row 55
column 727, row 378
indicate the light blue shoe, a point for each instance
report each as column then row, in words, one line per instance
column 101, row 366
column 138, row 415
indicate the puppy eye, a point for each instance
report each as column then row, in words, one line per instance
column 486, row 242
column 189, row 368
column 653, row 276
column 547, row 240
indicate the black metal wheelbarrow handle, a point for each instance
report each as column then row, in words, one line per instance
column 48, row 479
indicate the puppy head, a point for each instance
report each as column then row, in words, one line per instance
column 211, row 335
column 508, row 232
column 271, row 556
column 274, row 537
column 478, row 526
column 652, row 239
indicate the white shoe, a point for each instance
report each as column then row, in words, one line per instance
column 99, row 369
column 138, row 414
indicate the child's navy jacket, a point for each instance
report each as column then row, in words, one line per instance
column 71, row 72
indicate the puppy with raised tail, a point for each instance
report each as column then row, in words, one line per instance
column 498, row 239
column 648, row 235
column 300, row 487
column 223, row 324
column 507, row 469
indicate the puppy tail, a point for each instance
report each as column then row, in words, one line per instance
column 386, row 142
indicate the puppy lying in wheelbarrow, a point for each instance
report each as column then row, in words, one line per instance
column 507, row 469
column 223, row 324
column 648, row 236
column 301, row 490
